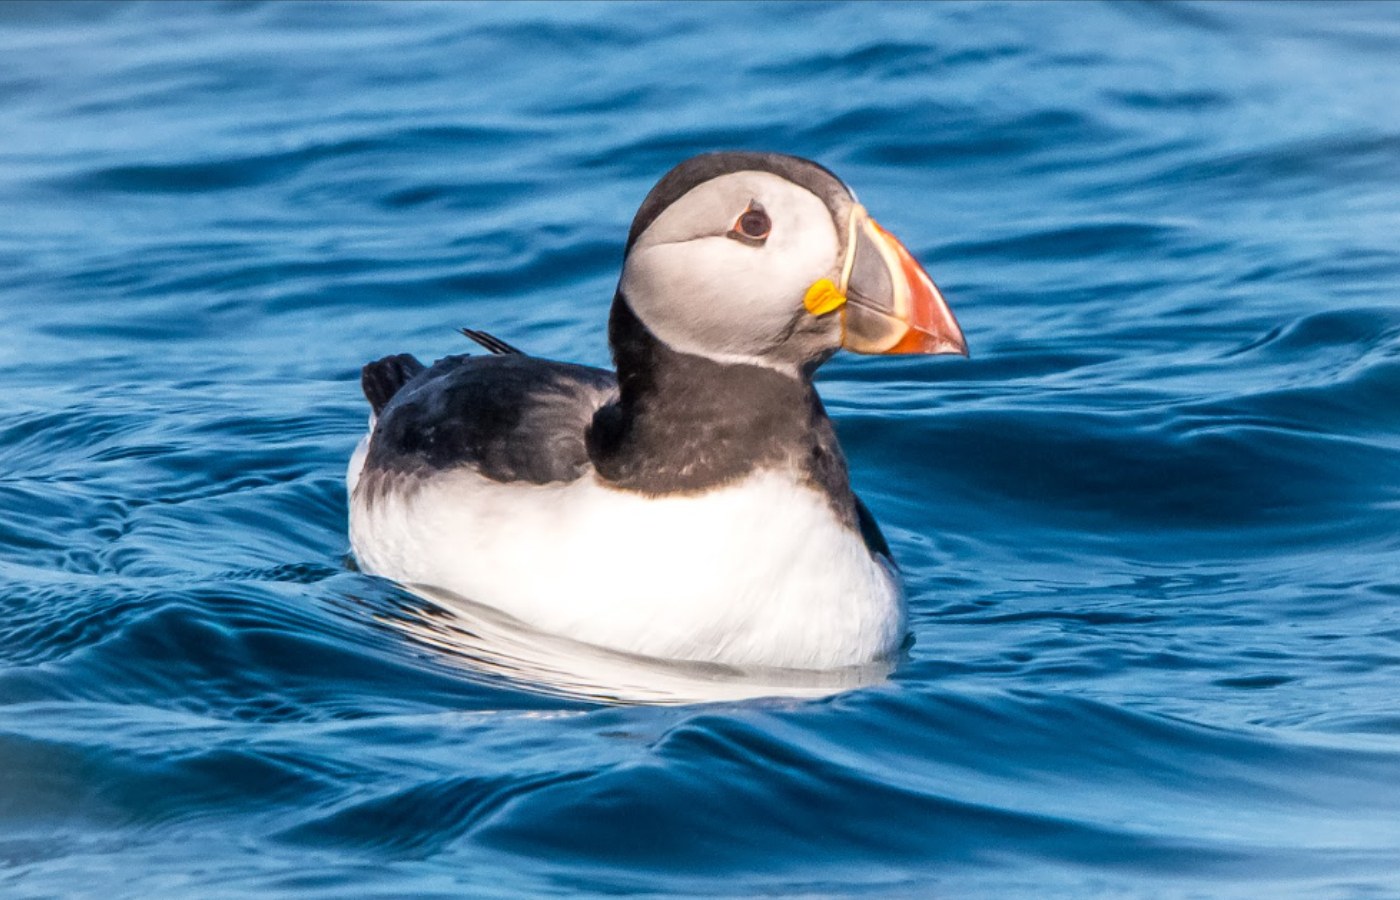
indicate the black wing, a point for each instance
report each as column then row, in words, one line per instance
column 870, row 532
column 490, row 341
column 383, row 378
column 509, row 417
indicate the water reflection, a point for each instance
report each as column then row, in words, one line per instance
column 488, row 642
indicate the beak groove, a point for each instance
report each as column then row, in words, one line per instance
column 893, row 305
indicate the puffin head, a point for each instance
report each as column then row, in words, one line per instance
column 768, row 259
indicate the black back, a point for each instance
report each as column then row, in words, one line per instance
column 509, row 417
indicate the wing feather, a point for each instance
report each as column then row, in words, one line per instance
column 508, row 416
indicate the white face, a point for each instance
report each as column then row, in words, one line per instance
column 704, row 291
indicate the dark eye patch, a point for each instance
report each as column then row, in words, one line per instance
column 753, row 226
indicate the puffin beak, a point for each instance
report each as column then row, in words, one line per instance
column 887, row 302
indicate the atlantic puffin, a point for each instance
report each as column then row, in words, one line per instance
column 694, row 504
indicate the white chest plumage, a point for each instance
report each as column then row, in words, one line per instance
column 759, row 573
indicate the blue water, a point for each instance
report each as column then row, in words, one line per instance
column 1151, row 530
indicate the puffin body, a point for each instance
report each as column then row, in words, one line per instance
column 695, row 504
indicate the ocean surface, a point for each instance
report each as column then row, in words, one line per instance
column 1150, row 530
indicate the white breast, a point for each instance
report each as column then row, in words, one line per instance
column 760, row 573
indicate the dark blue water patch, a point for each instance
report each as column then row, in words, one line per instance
column 233, row 649
column 450, row 196
column 1078, row 242
column 1167, row 99
column 1122, row 473
column 756, row 755
column 1335, row 276
column 411, row 821
column 205, row 176
column 1355, row 332
column 1320, row 165
column 1043, row 133
column 1255, row 682
column 881, row 59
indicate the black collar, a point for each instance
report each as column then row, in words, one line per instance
column 685, row 424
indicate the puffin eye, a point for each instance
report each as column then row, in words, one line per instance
column 753, row 226
column 755, row 223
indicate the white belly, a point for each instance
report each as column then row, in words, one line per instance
column 761, row 573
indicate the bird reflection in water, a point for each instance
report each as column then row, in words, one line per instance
column 486, row 642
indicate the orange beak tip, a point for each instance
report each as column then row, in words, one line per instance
column 932, row 327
